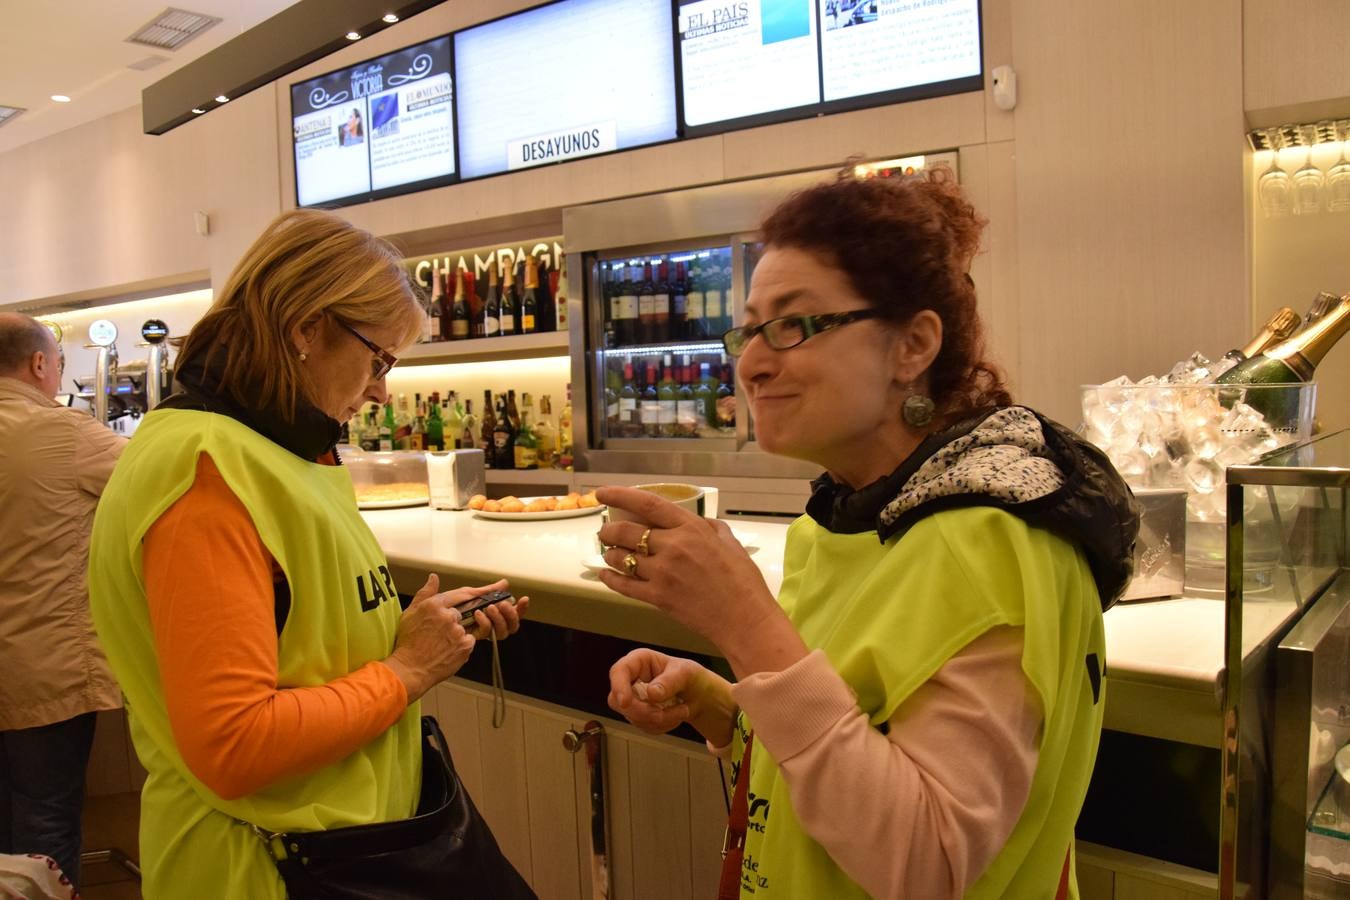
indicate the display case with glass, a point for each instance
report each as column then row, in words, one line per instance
column 1286, row 815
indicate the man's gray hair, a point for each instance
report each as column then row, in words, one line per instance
column 20, row 337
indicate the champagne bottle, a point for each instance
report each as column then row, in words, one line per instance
column 1290, row 362
column 431, row 322
column 508, row 314
column 529, row 301
column 1323, row 303
column 492, row 312
column 1280, row 327
column 459, row 316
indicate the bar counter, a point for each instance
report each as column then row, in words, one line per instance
column 1164, row 658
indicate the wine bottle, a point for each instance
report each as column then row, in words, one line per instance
column 504, row 438
column 679, row 305
column 686, row 416
column 508, row 314
column 660, row 306
column 705, row 398
column 667, row 396
column 388, row 427
column 629, row 423
column 492, row 312
column 1291, row 362
column 626, row 322
column 713, row 298
column 646, row 306
column 696, row 326
column 459, row 312
column 529, row 301
column 651, row 406
column 431, row 321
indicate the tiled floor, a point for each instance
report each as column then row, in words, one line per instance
column 111, row 821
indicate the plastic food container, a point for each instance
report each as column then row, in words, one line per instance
column 388, row 480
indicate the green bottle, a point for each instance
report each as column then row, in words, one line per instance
column 388, row 427
column 435, row 434
column 1289, row 363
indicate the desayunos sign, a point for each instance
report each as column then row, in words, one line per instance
column 557, row 146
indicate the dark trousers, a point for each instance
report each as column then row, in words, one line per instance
column 42, row 790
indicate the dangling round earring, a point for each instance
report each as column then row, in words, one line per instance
column 303, row 356
column 918, row 410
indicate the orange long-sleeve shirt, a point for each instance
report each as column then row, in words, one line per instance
column 210, row 587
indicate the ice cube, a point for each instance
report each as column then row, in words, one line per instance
column 1203, row 476
column 1206, row 441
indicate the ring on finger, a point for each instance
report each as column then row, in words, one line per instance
column 642, row 543
column 630, row 565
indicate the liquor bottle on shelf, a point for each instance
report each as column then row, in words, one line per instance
column 477, row 328
column 486, row 441
column 546, row 434
column 1292, row 361
column 503, row 438
column 667, row 396
column 435, row 433
column 388, row 427
column 686, row 416
column 459, row 311
column 466, row 439
column 679, row 305
column 508, row 314
column 512, row 411
column 726, row 397
column 696, row 326
column 403, row 418
column 646, row 306
column 564, row 458
column 529, row 301
column 629, row 422
column 705, row 398
column 560, row 295
column 626, row 322
column 660, row 305
column 417, row 431
column 492, row 310
column 613, row 384
column 526, row 451
column 452, row 417
column 650, row 404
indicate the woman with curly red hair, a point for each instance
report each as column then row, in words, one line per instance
column 917, row 713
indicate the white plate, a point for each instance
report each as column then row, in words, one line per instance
column 534, row 516
column 391, row 504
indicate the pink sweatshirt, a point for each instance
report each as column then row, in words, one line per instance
column 940, row 793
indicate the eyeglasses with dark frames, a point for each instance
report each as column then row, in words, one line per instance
column 786, row 332
column 383, row 361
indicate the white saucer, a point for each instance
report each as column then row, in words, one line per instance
column 597, row 562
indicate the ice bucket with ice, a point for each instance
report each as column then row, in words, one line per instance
column 1171, row 433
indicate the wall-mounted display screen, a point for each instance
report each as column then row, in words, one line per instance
column 746, row 58
column 375, row 129
column 880, row 46
column 570, row 79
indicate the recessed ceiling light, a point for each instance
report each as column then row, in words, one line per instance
column 353, row 36
column 197, row 111
column 60, row 98
column 390, row 18
column 222, row 99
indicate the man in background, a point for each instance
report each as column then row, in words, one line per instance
column 54, row 462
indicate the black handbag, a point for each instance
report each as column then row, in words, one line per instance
column 445, row 850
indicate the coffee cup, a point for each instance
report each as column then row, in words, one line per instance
column 686, row 496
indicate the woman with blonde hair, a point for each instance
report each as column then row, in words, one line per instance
column 251, row 618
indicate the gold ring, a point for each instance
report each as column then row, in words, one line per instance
column 642, row 543
column 630, row 565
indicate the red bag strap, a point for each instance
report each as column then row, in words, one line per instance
column 733, row 841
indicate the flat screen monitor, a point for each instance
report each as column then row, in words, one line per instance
column 893, row 46
column 743, row 60
column 383, row 127
column 570, row 79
